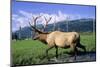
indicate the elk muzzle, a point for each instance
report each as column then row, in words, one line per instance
column 35, row 37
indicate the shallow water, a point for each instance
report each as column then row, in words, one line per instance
column 81, row 57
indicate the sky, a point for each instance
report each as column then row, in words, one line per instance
column 22, row 12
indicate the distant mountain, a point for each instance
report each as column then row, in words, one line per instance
column 79, row 25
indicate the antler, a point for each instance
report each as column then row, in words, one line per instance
column 47, row 21
column 36, row 30
column 34, row 26
column 35, row 19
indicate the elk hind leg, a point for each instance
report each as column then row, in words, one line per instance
column 56, row 51
column 82, row 46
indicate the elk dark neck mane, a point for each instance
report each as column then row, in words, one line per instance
column 43, row 37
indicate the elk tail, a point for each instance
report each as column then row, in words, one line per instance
column 80, row 45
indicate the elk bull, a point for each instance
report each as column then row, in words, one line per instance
column 59, row 39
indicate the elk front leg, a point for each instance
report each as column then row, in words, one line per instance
column 47, row 51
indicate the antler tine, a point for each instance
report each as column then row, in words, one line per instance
column 31, row 25
column 35, row 18
column 47, row 20
column 34, row 26
column 46, row 23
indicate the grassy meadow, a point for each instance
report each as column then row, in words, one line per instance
column 26, row 52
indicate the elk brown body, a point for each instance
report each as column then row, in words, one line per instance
column 60, row 39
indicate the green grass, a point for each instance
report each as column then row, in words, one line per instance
column 89, row 40
column 32, row 52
